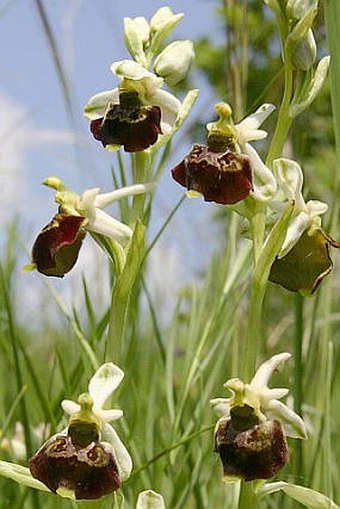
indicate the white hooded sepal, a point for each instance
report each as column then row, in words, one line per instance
column 104, row 382
column 122, row 457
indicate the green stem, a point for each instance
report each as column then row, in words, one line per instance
column 284, row 120
column 298, row 381
column 257, row 228
column 141, row 169
column 248, row 498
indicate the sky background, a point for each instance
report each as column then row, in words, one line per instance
column 37, row 138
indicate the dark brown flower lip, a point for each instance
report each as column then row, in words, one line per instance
column 256, row 453
column 225, row 178
column 90, row 472
column 55, row 251
column 129, row 124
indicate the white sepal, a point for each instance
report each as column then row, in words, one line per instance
column 123, row 458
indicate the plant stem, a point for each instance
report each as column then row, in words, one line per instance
column 298, row 381
column 248, row 498
column 284, row 120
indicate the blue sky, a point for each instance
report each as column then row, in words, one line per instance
column 36, row 137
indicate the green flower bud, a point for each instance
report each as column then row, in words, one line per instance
column 296, row 9
column 305, row 53
column 136, row 35
column 174, row 62
column 161, row 25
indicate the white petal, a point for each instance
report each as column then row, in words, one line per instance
column 97, row 105
column 294, row 231
column 123, row 458
column 247, row 129
column 170, row 107
column 266, row 370
column 70, row 407
column 150, row 500
column 104, row 224
column 110, row 415
column 87, row 199
column 277, row 393
column 292, row 423
column 316, row 208
column 221, row 406
column 290, row 178
column 264, row 181
column 105, row 380
column 105, row 199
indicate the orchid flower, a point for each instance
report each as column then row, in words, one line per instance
column 228, row 169
column 262, row 399
column 101, row 386
column 250, row 435
column 306, row 216
column 87, row 460
column 56, row 248
column 136, row 79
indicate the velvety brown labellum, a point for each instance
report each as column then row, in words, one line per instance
column 130, row 124
column 56, row 248
column 305, row 266
column 256, row 453
column 91, row 472
column 224, row 178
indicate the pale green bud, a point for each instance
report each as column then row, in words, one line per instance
column 174, row 61
column 161, row 26
column 136, row 35
column 305, row 54
column 296, row 9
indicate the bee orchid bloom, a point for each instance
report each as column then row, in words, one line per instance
column 227, row 170
column 250, row 435
column 88, row 459
column 135, row 113
column 304, row 259
column 56, row 248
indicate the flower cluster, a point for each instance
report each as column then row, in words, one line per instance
column 250, row 434
column 228, row 170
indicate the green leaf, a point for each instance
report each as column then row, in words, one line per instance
column 306, row 496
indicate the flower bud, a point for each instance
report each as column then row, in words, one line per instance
column 161, row 25
column 136, row 34
column 250, row 449
column 56, row 248
column 296, row 9
column 174, row 61
column 304, row 55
